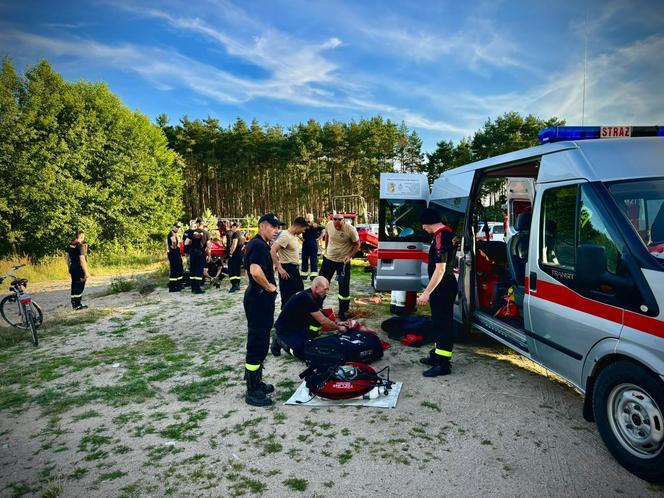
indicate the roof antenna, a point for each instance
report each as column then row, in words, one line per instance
column 585, row 69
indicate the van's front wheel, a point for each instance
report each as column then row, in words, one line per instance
column 627, row 403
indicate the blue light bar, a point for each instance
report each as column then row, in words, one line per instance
column 560, row 133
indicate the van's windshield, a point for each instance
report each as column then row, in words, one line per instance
column 643, row 203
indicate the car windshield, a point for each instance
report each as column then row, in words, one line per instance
column 643, row 203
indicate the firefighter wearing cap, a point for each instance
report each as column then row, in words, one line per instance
column 342, row 244
column 310, row 239
column 78, row 269
column 284, row 253
column 259, row 301
column 174, row 258
column 197, row 246
column 440, row 292
column 235, row 244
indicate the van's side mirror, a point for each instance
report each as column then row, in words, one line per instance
column 590, row 264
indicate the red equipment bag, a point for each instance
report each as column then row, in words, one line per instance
column 348, row 381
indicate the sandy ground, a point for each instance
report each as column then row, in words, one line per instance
column 73, row 425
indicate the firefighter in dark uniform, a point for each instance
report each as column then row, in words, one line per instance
column 259, row 301
column 234, row 246
column 310, row 239
column 440, row 293
column 78, row 269
column 174, row 258
column 198, row 245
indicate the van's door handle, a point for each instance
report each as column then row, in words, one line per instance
column 533, row 281
column 411, row 247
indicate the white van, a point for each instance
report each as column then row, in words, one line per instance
column 583, row 264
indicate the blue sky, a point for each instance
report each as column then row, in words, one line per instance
column 442, row 67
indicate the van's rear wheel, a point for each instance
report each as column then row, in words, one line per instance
column 627, row 403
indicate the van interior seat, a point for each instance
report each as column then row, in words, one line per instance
column 517, row 248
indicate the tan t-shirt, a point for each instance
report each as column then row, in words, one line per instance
column 339, row 242
column 288, row 248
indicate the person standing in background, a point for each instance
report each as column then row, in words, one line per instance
column 285, row 256
column 310, row 240
column 78, row 269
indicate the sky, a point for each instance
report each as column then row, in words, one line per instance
column 441, row 67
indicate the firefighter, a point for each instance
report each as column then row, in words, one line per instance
column 235, row 245
column 310, row 240
column 78, row 269
column 198, row 245
column 342, row 242
column 259, row 301
column 174, row 258
column 440, row 292
column 284, row 253
column 301, row 320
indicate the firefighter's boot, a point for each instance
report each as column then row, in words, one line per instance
column 443, row 367
column 255, row 396
column 266, row 388
column 275, row 347
column 429, row 360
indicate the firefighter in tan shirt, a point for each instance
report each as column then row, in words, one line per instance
column 342, row 242
column 285, row 256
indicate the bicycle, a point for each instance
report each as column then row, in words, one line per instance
column 18, row 309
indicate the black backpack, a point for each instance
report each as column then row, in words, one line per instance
column 337, row 349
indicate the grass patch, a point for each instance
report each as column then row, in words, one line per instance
column 243, row 484
column 198, row 390
column 55, row 401
column 286, row 389
column 111, row 476
column 296, row 484
column 185, row 431
column 12, row 400
column 428, row 404
column 86, row 415
column 345, row 457
column 78, row 474
column 156, row 453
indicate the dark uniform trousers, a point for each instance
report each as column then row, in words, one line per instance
column 259, row 309
column 175, row 262
column 197, row 262
column 234, row 266
column 442, row 315
column 77, row 285
column 310, row 258
column 327, row 270
column 292, row 285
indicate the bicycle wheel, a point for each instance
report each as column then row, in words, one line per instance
column 37, row 314
column 11, row 312
column 30, row 318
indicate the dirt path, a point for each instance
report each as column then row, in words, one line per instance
column 142, row 396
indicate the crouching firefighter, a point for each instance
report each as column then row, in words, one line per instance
column 440, row 293
column 174, row 258
column 78, row 269
column 301, row 320
column 259, row 299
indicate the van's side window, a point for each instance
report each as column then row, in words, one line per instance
column 558, row 227
column 592, row 230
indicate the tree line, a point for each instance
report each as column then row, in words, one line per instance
column 73, row 156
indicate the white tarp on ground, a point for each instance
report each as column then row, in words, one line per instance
column 301, row 397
